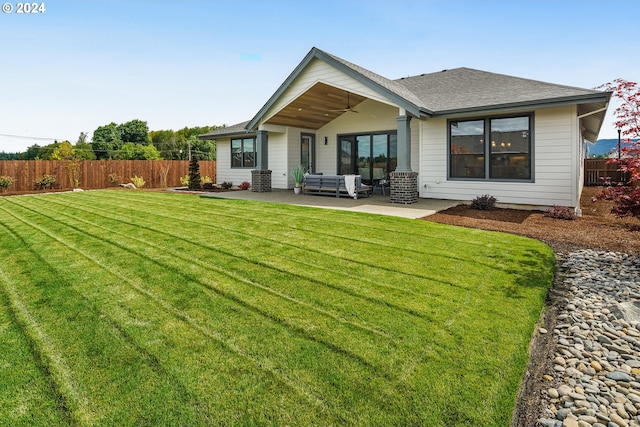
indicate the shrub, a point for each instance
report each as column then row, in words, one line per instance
column 226, row 185
column 138, row 181
column 114, row 179
column 209, row 186
column 484, row 203
column 46, row 182
column 194, row 174
column 205, row 180
column 184, row 180
column 297, row 174
column 5, row 182
column 560, row 212
column 245, row 185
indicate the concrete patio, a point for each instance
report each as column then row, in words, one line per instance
column 375, row 204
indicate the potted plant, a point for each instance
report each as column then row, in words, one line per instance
column 297, row 174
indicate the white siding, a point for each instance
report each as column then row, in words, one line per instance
column 277, row 159
column 224, row 172
column 555, row 162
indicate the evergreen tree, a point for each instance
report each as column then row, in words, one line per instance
column 194, row 174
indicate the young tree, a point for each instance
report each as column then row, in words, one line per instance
column 626, row 194
column 66, row 151
column 194, row 174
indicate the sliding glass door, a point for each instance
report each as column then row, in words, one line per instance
column 371, row 156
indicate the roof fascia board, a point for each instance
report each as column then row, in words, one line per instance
column 226, row 135
column 543, row 103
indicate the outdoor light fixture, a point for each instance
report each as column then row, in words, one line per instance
column 326, row 140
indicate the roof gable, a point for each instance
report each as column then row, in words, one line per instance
column 388, row 88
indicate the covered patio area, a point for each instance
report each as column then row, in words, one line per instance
column 374, row 204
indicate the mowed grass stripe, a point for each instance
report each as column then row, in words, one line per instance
column 74, row 403
column 494, row 252
column 80, row 328
column 451, row 324
column 394, row 261
column 279, row 263
column 436, row 241
column 381, row 231
column 409, row 326
column 292, row 318
column 381, row 388
column 460, row 368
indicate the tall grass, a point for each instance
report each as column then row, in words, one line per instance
column 140, row 308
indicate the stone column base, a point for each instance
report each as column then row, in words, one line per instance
column 261, row 180
column 404, row 187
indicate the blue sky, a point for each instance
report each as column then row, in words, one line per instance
column 83, row 64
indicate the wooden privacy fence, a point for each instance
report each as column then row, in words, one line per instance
column 96, row 174
column 596, row 171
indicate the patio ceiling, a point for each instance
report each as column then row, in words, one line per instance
column 316, row 107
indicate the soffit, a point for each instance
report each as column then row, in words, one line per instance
column 316, row 107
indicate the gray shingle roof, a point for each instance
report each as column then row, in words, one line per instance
column 237, row 129
column 391, row 85
column 446, row 92
column 463, row 89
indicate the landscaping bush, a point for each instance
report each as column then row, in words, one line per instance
column 46, row 182
column 560, row 212
column 114, row 179
column 484, row 203
column 209, row 186
column 5, row 182
column 184, row 180
column 245, row 185
column 205, row 180
column 226, row 185
column 138, row 181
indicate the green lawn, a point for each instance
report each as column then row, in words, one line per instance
column 136, row 308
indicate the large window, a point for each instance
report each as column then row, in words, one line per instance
column 372, row 156
column 491, row 148
column 243, row 153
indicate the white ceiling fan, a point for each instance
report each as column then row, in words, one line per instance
column 347, row 109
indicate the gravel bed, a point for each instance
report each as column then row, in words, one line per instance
column 594, row 377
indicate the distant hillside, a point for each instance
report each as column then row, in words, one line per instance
column 603, row 146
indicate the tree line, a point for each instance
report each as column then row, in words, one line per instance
column 126, row 141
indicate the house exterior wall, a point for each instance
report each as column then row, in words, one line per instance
column 224, row 172
column 556, row 160
column 277, row 151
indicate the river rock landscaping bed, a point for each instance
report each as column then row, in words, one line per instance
column 595, row 378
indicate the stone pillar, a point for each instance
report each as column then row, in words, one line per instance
column 261, row 180
column 404, row 187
